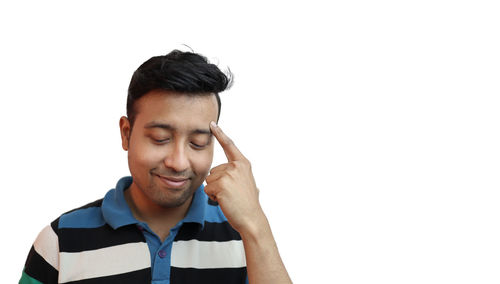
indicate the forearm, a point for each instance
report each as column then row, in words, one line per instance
column 264, row 264
column 233, row 186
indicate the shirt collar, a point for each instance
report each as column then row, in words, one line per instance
column 115, row 209
column 117, row 213
column 196, row 213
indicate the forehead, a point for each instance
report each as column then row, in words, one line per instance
column 179, row 110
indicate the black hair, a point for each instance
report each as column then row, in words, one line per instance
column 182, row 72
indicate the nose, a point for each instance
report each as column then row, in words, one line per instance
column 177, row 159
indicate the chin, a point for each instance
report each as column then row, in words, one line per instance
column 179, row 199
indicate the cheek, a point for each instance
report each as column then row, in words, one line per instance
column 202, row 162
column 141, row 154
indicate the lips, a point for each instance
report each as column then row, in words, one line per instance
column 173, row 182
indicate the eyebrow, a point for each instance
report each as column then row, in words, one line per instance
column 166, row 126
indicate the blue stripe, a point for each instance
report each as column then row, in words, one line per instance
column 213, row 214
column 83, row 218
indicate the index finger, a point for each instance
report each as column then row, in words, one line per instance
column 231, row 151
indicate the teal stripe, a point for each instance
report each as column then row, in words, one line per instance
column 26, row 279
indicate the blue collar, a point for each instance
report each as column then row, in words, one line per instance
column 117, row 213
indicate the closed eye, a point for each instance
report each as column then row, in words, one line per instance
column 198, row 146
column 161, row 141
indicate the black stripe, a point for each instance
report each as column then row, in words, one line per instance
column 82, row 239
column 55, row 225
column 135, row 277
column 219, row 232
column 212, row 202
column 38, row 268
column 208, row 276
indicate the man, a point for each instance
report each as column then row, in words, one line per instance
column 161, row 225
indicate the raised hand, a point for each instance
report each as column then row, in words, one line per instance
column 232, row 185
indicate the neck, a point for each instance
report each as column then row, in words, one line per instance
column 159, row 219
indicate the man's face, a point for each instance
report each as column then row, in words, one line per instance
column 170, row 148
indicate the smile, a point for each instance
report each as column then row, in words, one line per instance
column 173, row 182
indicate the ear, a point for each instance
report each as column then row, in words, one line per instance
column 125, row 132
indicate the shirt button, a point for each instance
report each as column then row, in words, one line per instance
column 162, row 253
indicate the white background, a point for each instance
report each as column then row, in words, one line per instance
column 372, row 126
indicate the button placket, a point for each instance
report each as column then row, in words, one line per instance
column 162, row 253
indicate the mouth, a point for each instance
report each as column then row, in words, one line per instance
column 173, row 182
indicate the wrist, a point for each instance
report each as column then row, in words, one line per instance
column 256, row 229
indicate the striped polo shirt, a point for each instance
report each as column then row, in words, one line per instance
column 102, row 242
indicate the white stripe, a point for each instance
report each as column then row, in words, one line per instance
column 198, row 254
column 103, row 262
column 47, row 246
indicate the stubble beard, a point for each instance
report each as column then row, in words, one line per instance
column 169, row 198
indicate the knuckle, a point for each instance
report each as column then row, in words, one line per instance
column 209, row 179
column 243, row 163
column 217, row 169
column 238, row 165
column 207, row 189
column 210, row 190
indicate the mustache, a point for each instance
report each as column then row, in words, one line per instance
column 172, row 173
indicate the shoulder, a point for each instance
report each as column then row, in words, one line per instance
column 43, row 262
column 87, row 216
column 82, row 216
column 47, row 241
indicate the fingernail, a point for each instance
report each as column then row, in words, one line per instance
column 213, row 124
